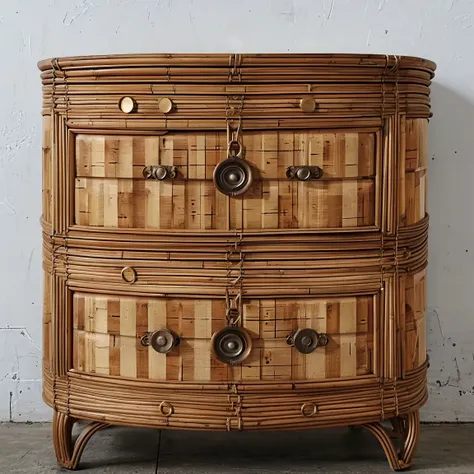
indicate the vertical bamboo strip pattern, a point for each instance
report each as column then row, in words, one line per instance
column 235, row 242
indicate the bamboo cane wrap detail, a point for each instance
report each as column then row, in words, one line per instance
column 137, row 238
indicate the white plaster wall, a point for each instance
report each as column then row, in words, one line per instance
column 441, row 30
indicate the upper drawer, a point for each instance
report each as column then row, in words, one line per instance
column 111, row 190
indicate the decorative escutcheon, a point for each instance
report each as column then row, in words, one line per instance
column 162, row 340
column 307, row 340
column 231, row 345
column 304, row 173
column 160, row 172
column 233, row 176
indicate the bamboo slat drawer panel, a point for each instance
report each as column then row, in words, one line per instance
column 235, row 242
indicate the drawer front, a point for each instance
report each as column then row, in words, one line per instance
column 111, row 191
column 108, row 331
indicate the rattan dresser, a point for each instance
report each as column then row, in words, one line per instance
column 235, row 242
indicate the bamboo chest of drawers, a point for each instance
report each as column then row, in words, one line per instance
column 235, row 242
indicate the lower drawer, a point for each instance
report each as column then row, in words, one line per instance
column 108, row 332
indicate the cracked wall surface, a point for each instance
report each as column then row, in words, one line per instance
column 441, row 30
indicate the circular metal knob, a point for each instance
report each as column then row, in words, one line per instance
column 127, row 105
column 307, row 340
column 166, row 409
column 303, row 173
column 308, row 104
column 233, row 176
column 129, row 274
column 231, row 345
column 309, row 409
column 164, row 340
column 160, row 172
column 165, row 105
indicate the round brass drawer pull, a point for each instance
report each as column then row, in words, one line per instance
column 127, row 105
column 165, row 105
column 303, row 173
column 129, row 275
column 164, row 340
column 166, row 409
column 233, row 176
column 307, row 340
column 231, row 345
column 309, row 409
column 160, row 172
column 307, row 104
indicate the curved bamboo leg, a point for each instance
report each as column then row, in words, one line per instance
column 68, row 453
column 407, row 430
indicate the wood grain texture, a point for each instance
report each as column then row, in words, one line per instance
column 48, row 348
column 413, row 185
column 47, row 147
column 414, row 353
column 105, row 323
column 111, row 190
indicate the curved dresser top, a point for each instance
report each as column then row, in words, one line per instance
column 349, row 87
column 247, row 60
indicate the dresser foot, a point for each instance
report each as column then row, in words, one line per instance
column 399, row 444
column 68, row 453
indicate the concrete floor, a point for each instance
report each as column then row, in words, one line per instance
column 27, row 448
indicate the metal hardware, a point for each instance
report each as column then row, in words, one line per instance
column 309, row 409
column 129, row 275
column 232, row 316
column 233, row 176
column 231, row 345
column 166, row 409
column 303, row 173
column 234, row 149
column 127, row 105
column 165, row 105
column 307, row 104
column 162, row 340
column 232, row 309
column 307, row 340
column 160, row 172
